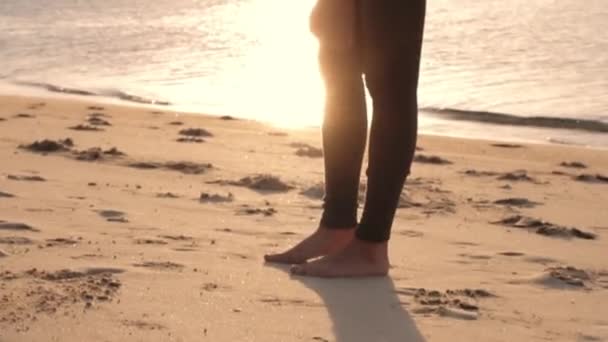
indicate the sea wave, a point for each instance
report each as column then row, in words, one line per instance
column 111, row 93
column 517, row 120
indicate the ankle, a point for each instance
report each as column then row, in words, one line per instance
column 376, row 252
column 334, row 229
column 336, row 232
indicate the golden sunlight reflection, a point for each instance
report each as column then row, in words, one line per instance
column 280, row 81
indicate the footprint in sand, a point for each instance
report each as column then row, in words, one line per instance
column 37, row 105
column 247, row 210
column 211, row 287
column 215, row 198
column 594, row 179
column 113, row 216
column 49, row 146
column 24, row 116
column 67, row 274
column 305, row 150
column 95, row 108
column 460, row 304
column 86, row 128
column 436, row 160
column 185, row 249
column 6, row 195
column 188, row 168
column 16, row 240
column 589, row 338
column 571, row 276
column 97, row 154
column 143, row 325
column 3, row 254
column 167, row 195
column 476, row 173
column 87, row 256
column 16, row 226
column 144, row 241
column 540, row 260
column 436, row 200
column 177, row 237
column 176, row 123
column 406, row 202
column 515, row 176
column 195, row 132
column 160, row 265
column 465, row 243
column 310, row 152
column 544, row 228
column 567, row 278
column 26, row 178
column 517, row 202
column 61, row 242
column 411, row 233
column 480, row 203
column 52, row 292
column 276, row 301
column 39, row 210
column 512, row 254
column 96, row 120
column 440, row 205
column 190, row 140
column 240, row 232
column 504, row 145
column 320, row 339
column 573, row 165
column 316, row 192
column 99, row 115
column 236, row 255
column 261, row 183
column 476, row 256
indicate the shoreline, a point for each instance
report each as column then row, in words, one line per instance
column 137, row 223
column 474, row 124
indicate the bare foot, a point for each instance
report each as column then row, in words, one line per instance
column 322, row 242
column 358, row 259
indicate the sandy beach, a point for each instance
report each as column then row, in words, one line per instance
column 122, row 223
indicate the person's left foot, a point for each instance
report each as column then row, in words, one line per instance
column 358, row 259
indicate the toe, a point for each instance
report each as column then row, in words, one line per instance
column 283, row 258
column 274, row 257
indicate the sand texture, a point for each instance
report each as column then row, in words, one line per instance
column 137, row 224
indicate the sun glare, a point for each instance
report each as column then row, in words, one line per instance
column 281, row 77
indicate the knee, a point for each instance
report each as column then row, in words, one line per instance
column 392, row 89
column 386, row 77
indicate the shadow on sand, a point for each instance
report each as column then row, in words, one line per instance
column 365, row 309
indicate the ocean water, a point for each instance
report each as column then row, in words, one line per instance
column 509, row 70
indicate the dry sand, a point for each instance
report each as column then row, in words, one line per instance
column 133, row 224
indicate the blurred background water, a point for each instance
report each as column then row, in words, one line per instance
column 257, row 59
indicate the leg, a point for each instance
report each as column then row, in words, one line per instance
column 344, row 137
column 392, row 38
column 391, row 73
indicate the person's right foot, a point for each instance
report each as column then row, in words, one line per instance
column 322, row 242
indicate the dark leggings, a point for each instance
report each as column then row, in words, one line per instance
column 387, row 53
